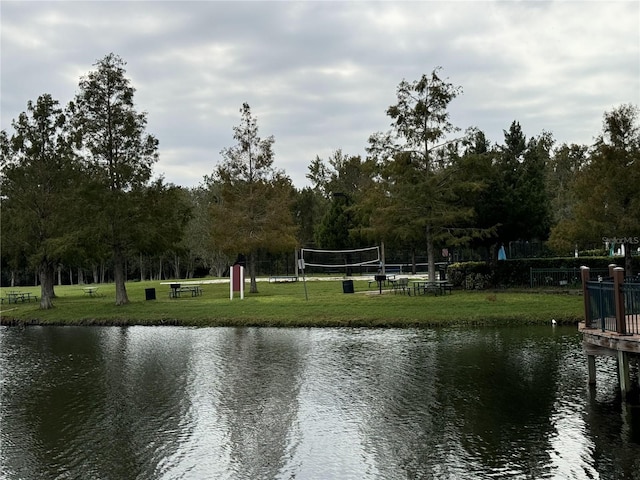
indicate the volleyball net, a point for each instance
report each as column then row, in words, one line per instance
column 333, row 259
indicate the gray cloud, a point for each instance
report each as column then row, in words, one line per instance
column 320, row 75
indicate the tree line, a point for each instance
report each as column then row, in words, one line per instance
column 78, row 195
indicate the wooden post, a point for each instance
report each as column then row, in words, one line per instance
column 623, row 373
column 618, row 300
column 584, row 274
column 591, row 369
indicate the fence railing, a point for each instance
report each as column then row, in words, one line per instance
column 631, row 292
column 601, row 311
column 612, row 303
column 561, row 277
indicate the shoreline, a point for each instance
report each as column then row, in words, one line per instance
column 314, row 305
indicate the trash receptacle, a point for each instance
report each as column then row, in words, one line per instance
column 347, row 286
column 150, row 293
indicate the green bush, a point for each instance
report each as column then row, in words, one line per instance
column 517, row 272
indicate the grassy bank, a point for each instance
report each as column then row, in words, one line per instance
column 284, row 304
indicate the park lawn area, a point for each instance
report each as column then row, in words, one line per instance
column 285, row 305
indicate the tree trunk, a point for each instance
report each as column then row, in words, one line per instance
column 252, row 273
column 51, row 273
column 628, row 264
column 141, row 268
column 493, row 254
column 47, row 274
column 119, row 277
column 413, row 261
column 176, row 266
column 430, row 255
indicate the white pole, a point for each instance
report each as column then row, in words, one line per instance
column 304, row 278
column 241, row 283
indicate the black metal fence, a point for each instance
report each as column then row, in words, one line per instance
column 600, row 305
column 601, row 310
column 631, row 292
column 561, row 277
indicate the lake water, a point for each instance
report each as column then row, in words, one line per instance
column 262, row 403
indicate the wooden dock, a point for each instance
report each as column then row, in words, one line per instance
column 612, row 324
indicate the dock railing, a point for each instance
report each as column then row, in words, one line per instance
column 612, row 303
column 560, row 277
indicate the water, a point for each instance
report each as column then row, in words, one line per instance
column 247, row 403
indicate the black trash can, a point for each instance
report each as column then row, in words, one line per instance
column 347, row 286
column 150, row 293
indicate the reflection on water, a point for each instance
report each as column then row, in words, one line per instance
column 250, row 403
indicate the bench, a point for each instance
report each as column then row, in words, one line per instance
column 282, row 278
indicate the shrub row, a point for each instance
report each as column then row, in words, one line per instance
column 517, row 272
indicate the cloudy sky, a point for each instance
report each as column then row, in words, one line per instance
column 320, row 75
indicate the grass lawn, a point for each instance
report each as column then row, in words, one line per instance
column 284, row 304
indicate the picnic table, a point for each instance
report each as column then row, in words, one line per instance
column 14, row 297
column 91, row 291
column 176, row 289
column 436, row 287
column 400, row 285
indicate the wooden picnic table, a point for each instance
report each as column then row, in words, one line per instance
column 431, row 286
column 14, row 297
column 91, row 291
column 176, row 289
column 400, row 285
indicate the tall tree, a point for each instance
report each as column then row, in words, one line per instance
column 253, row 211
column 564, row 165
column 160, row 218
column 119, row 155
column 38, row 183
column 606, row 189
column 416, row 191
column 308, row 210
column 198, row 240
column 343, row 180
column 515, row 203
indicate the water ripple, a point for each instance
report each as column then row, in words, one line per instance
column 234, row 403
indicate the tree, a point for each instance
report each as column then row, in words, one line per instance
column 253, row 212
column 39, row 187
column 198, row 240
column 418, row 194
column 607, row 202
column 344, row 180
column 564, row 165
column 515, row 203
column 118, row 154
column 308, row 210
column 159, row 219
